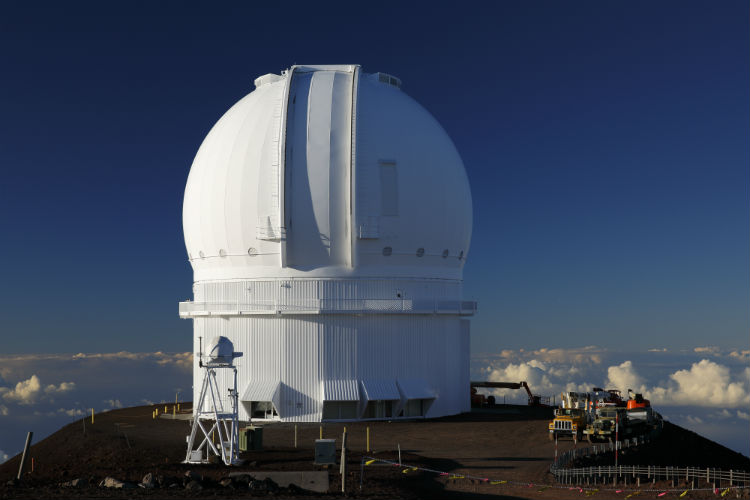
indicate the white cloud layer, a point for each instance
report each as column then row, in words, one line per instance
column 31, row 391
column 666, row 379
column 112, row 404
column 46, row 391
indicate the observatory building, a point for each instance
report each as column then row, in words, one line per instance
column 327, row 217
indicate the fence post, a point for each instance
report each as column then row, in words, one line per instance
column 23, row 457
column 343, row 462
column 692, row 484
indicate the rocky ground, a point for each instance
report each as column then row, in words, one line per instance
column 127, row 453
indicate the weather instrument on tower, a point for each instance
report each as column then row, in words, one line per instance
column 210, row 415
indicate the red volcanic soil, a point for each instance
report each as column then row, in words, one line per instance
column 508, row 443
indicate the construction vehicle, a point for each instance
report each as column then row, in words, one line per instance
column 480, row 400
column 580, row 410
column 568, row 422
column 634, row 418
column 637, row 401
column 575, row 400
column 603, row 428
column 609, row 397
column 641, row 416
column 591, row 401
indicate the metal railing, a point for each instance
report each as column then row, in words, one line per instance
column 634, row 474
column 572, row 455
column 330, row 306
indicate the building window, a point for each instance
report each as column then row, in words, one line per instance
column 340, row 410
column 414, row 408
column 379, row 409
column 263, row 409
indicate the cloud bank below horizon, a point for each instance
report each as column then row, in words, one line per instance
column 705, row 389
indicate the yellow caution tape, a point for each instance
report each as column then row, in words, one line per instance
column 591, row 492
column 370, row 462
column 408, row 469
column 723, row 493
column 543, row 488
column 684, row 493
column 498, row 482
column 633, row 494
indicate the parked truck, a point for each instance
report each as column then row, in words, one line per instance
column 603, row 428
column 623, row 422
column 568, row 422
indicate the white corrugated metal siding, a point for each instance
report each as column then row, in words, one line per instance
column 340, row 390
column 375, row 390
column 415, row 389
column 260, row 390
column 302, row 352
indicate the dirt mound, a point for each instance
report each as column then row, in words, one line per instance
column 508, row 444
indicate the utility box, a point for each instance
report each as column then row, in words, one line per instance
column 325, row 452
column 251, row 438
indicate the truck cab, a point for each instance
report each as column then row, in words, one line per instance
column 567, row 422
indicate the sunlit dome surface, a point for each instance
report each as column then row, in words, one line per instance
column 377, row 189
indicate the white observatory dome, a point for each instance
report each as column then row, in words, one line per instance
column 327, row 217
column 347, row 177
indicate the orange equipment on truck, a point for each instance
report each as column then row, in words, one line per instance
column 637, row 401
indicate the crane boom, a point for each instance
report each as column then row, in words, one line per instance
column 533, row 399
column 498, row 385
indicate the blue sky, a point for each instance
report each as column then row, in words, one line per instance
column 606, row 145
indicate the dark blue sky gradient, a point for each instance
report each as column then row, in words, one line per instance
column 606, row 144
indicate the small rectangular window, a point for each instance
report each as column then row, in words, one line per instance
column 388, row 189
column 340, row 410
column 379, row 409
